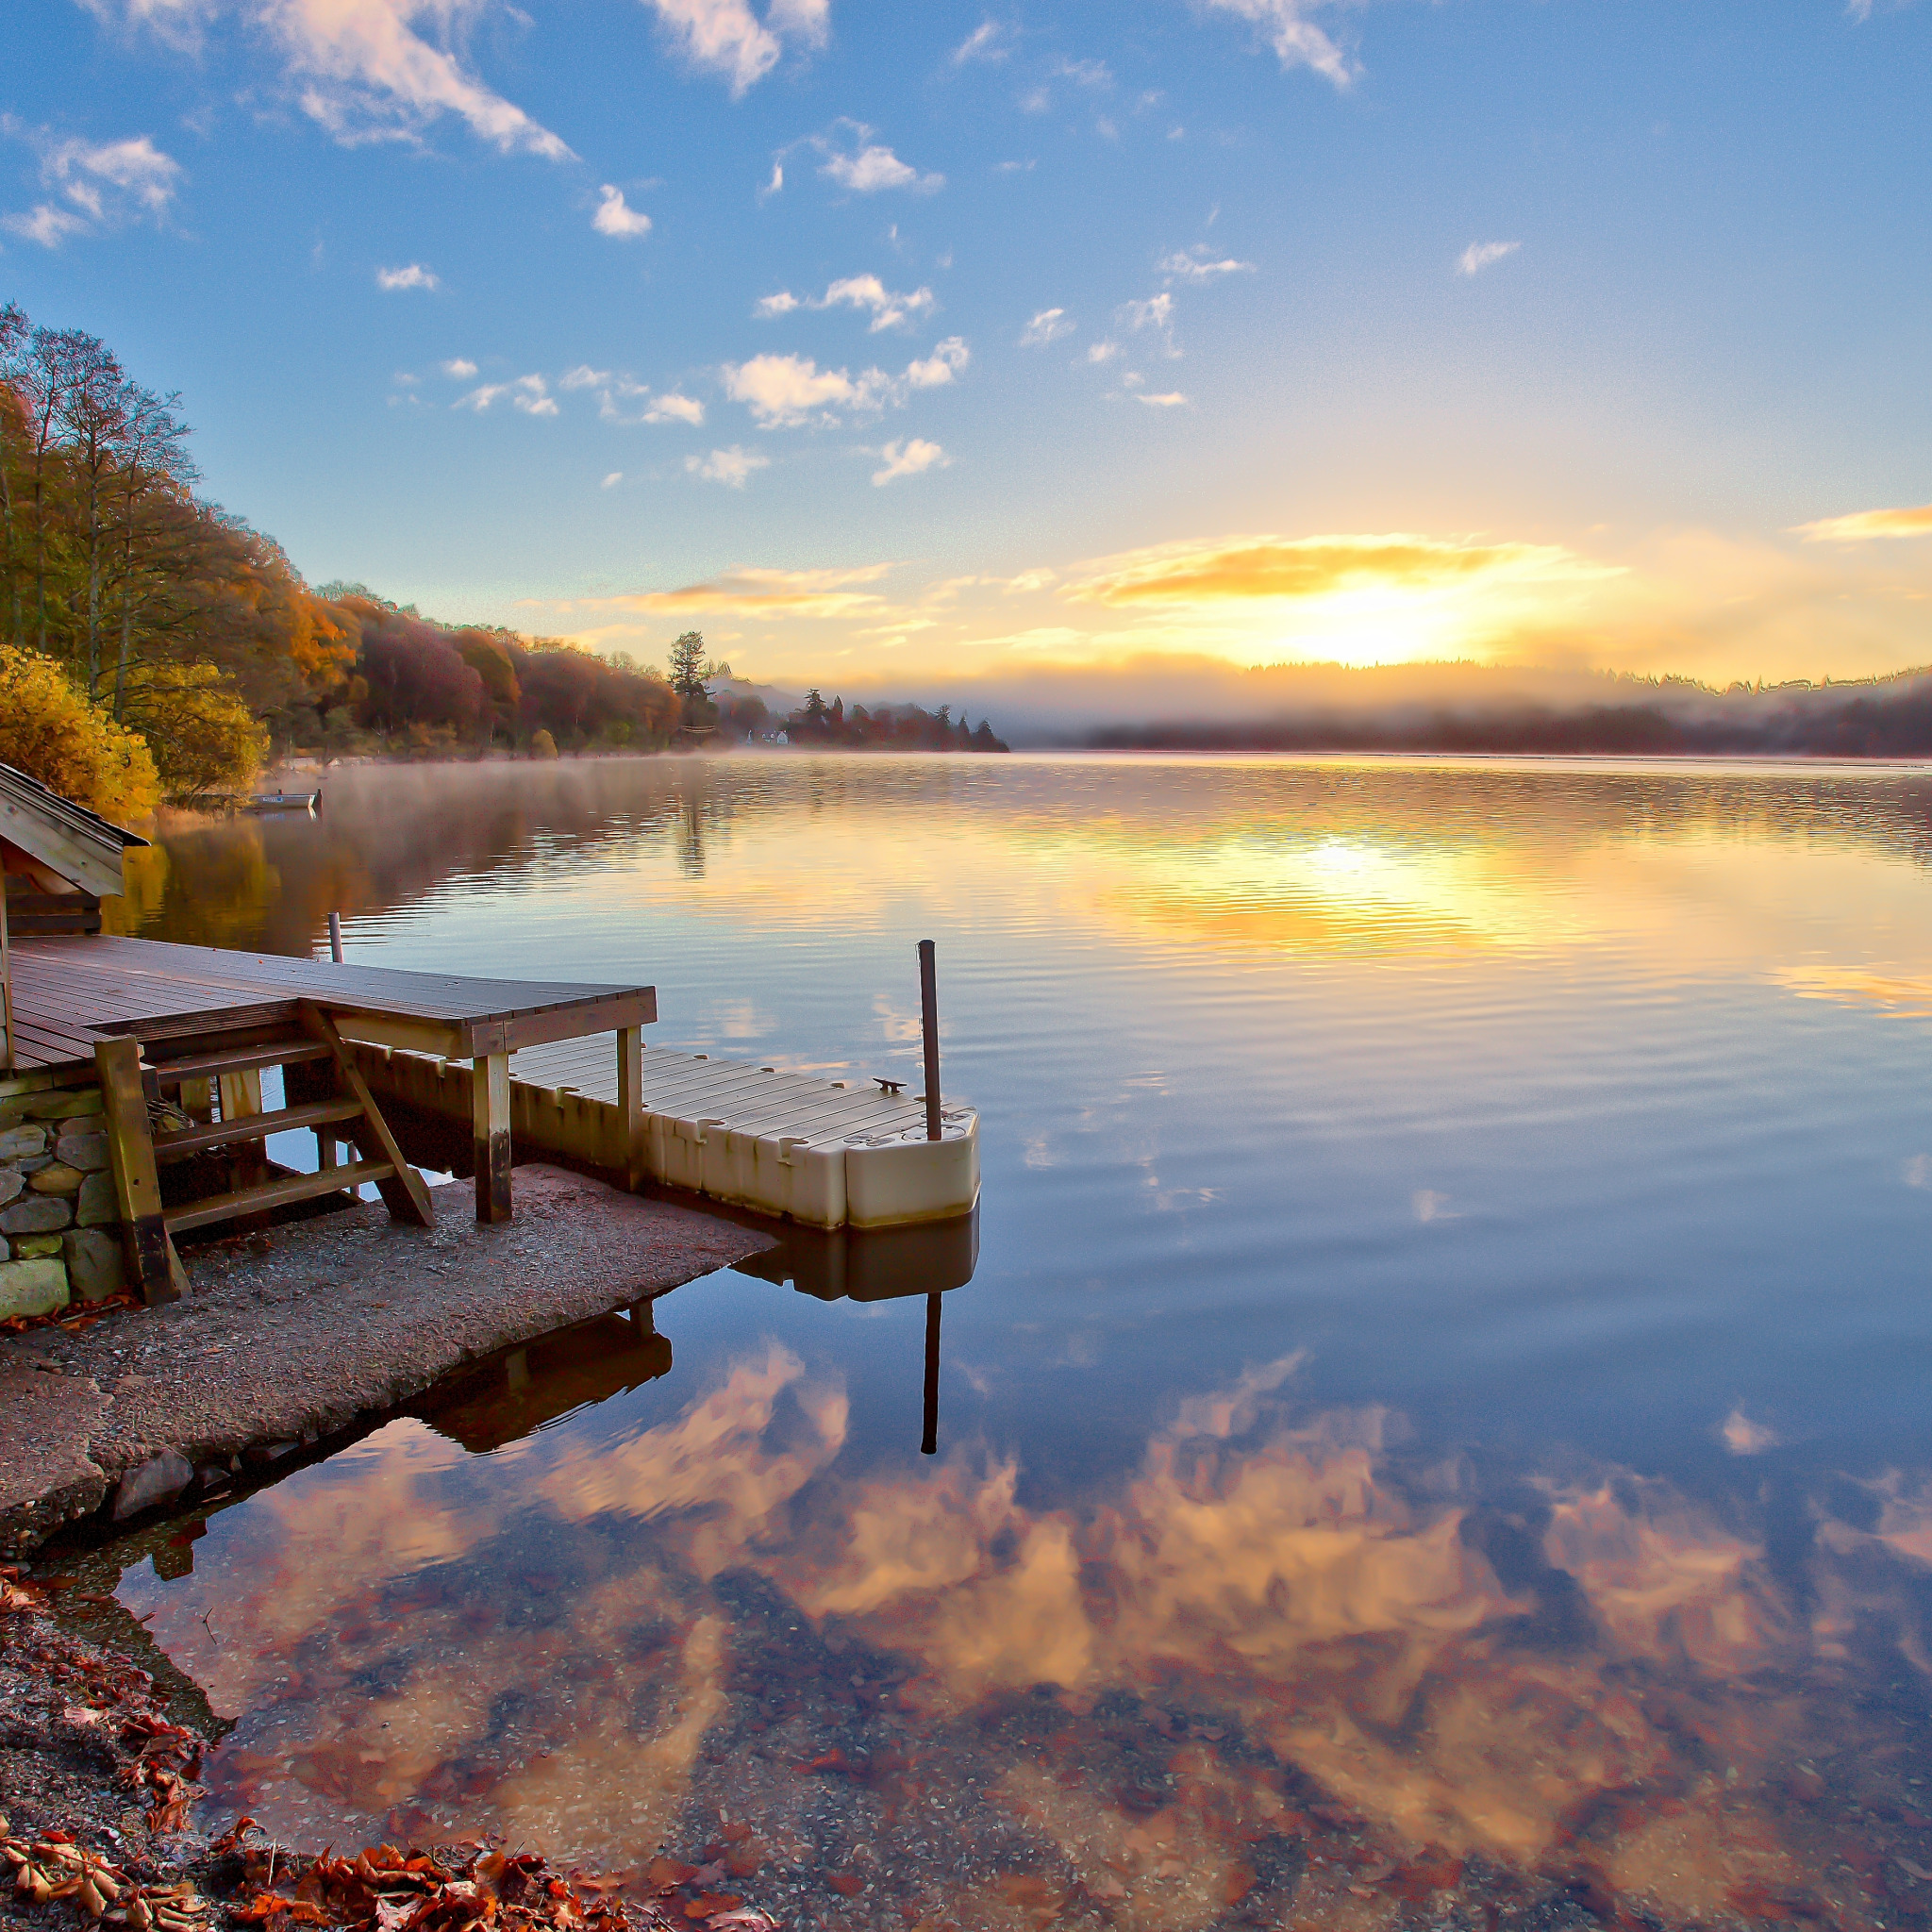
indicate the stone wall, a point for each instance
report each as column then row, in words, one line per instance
column 59, row 1229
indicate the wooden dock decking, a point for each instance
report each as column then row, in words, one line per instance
column 544, row 1067
column 70, row 992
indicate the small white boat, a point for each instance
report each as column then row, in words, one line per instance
column 310, row 802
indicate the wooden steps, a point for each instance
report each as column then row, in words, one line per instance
column 180, row 1142
column 326, row 1093
column 277, row 1193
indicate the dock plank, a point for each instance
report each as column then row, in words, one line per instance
column 71, row 992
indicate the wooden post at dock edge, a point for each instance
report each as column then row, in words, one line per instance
column 630, row 1103
column 930, row 1028
column 152, row 1263
column 489, row 1134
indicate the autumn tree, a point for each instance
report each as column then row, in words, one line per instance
column 49, row 730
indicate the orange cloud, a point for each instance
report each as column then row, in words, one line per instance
column 1865, row 526
column 1254, row 567
column 754, row 593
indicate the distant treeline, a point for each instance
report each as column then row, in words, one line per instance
column 422, row 685
column 886, row 727
column 1880, row 717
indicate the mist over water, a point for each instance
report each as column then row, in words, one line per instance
column 1439, row 1413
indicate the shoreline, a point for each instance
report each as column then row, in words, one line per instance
column 292, row 1335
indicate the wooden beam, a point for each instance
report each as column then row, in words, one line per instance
column 82, row 864
column 630, row 1103
column 152, row 1263
column 402, row 1191
column 6, row 994
column 514, row 1031
column 489, row 1133
column 431, row 1036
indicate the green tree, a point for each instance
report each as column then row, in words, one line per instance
column 686, row 661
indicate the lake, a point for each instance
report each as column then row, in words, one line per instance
column 1438, row 1427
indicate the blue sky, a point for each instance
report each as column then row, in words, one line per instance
column 1266, row 329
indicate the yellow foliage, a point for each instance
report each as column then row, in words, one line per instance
column 542, row 745
column 49, row 730
column 205, row 741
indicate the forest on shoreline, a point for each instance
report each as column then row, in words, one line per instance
column 153, row 645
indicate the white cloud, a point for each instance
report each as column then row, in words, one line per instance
column 1196, row 266
column 732, row 466
column 461, row 367
column 726, row 37
column 945, row 362
column 1479, row 255
column 809, row 20
column 102, row 185
column 912, row 457
column 1102, row 352
column 987, row 41
column 676, row 409
column 364, row 74
column 1049, row 325
column 1296, row 39
column 1742, row 1436
column 888, row 310
column 865, row 166
column 1087, row 73
column 1155, row 313
column 783, row 392
column 529, row 393
column 614, row 393
column 787, row 391
column 176, row 23
column 774, row 184
column 614, row 216
column 612, row 482
column 45, row 223
column 414, row 276
column 863, row 292
column 1173, row 399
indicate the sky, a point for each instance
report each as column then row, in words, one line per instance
column 900, row 349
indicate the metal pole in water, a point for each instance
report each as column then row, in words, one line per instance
column 930, row 1028
column 335, row 937
column 929, row 1441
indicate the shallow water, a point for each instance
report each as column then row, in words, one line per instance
column 1438, row 1421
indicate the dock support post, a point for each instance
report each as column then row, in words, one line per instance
column 630, row 1103
column 929, row 1027
column 489, row 1134
column 152, row 1263
column 929, row 1440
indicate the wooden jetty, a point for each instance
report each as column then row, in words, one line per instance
column 167, row 1046
column 824, row 1152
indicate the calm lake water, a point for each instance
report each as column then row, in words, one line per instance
column 1439, row 1424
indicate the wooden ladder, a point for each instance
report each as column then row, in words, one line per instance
column 327, row 1094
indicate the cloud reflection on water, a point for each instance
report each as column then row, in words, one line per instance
column 550, row 1643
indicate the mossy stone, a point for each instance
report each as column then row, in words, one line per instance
column 64, row 1103
column 32, row 1288
column 96, row 1206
